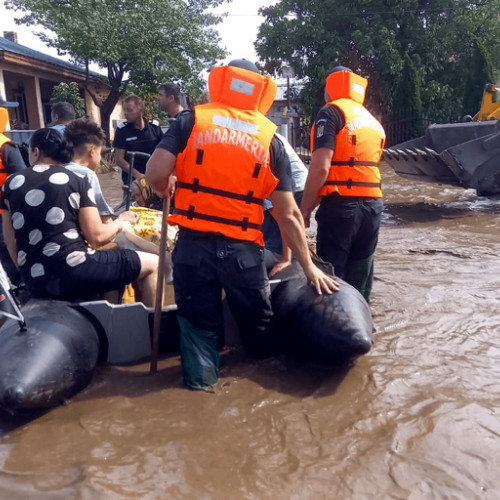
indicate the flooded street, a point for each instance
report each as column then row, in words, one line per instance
column 417, row 418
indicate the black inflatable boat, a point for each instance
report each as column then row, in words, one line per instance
column 53, row 356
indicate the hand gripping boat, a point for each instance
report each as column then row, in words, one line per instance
column 325, row 329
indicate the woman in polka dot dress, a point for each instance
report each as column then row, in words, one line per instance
column 51, row 222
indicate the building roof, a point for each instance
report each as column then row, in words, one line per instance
column 21, row 50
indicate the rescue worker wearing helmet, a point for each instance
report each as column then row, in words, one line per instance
column 344, row 179
column 227, row 162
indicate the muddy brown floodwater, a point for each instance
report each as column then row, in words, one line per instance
column 416, row 418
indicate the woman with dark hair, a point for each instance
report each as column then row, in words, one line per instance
column 51, row 222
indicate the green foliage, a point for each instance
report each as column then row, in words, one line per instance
column 136, row 43
column 482, row 67
column 69, row 92
column 407, row 99
column 443, row 40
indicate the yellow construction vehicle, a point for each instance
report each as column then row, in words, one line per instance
column 461, row 154
column 490, row 106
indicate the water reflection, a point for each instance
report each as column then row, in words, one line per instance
column 398, row 213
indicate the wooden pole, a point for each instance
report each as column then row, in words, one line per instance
column 159, row 287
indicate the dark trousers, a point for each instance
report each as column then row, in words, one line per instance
column 347, row 237
column 204, row 265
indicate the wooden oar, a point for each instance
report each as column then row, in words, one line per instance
column 159, row 287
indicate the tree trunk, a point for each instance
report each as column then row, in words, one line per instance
column 106, row 109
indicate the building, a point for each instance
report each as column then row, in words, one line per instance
column 28, row 77
column 287, row 113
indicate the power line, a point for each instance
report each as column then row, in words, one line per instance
column 423, row 10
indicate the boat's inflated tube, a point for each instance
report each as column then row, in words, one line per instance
column 50, row 361
column 326, row 329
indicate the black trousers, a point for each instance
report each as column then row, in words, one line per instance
column 348, row 235
column 207, row 263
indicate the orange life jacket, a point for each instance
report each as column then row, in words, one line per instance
column 223, row 175
column 358, row 146
column 3, row 171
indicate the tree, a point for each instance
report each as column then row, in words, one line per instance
column 407, row 101
column 68, row 92
column 483, row 68
column 374, row 37
column 135, row 42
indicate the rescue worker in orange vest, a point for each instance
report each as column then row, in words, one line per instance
column 344, row 179
column 11, row 161
column 227, row 162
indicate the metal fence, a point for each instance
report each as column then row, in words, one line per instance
column 299, row 138
column 403, row 125
column 399, row 126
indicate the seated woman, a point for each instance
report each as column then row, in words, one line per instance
column 50, row 221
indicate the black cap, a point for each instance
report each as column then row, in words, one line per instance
column 244, row 64
column 8, row 104
column 335, row 69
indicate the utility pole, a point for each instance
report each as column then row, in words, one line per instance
column 288, row 72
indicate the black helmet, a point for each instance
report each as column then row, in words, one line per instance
column 335, row 69
column 244, row 64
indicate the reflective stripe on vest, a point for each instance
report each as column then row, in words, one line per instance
column 358, row 149
column 223, row 174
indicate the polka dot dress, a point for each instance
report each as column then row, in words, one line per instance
column 43, row 202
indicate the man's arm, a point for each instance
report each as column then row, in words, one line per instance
column 119, row 145
column 12, row 158
column 124, row 164
column 292, row 228
column 120, row 159
column 328, row 124
column 159, row 170
column 318, row 172
column 286, row 253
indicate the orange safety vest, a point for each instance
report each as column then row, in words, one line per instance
column 223, row 175
column 3, row 171
column 358, row 146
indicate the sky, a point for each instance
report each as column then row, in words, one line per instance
column 238, row 30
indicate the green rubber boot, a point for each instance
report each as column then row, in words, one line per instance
column 359, row 274
column 200, row 358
